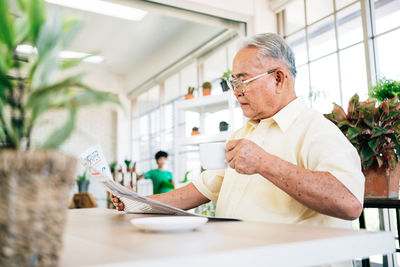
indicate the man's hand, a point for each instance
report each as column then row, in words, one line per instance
column 117, row 203
column 244, row 156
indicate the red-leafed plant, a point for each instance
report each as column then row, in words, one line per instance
column 373, row 128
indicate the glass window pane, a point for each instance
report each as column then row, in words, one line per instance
column 192, row 120
column 302, row 82
column 350, row 26
column 322, row 38
column 169, row 116
column 144, row 148
column 143, row 102
column 172, row 89
column 389, row 55
column 154, row 97
column 294, row 15
column 155, row 121
column 342, row 3
column 214, row 66
column 297, row 42
column 317, row 9
column 353, row 73
column 325, row 83
column 144, row 125
column 189, row 77
column 233, row 47
column 387, row 13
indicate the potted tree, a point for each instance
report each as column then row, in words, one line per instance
column 224, row 80
column 373, row 128
column 207, row 88
column 83, row 183
column 36, row 179
column 190, row 92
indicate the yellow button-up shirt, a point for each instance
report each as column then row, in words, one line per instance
column 298, row 135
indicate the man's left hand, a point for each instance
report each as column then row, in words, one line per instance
column 244, row 156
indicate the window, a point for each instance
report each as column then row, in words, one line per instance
column 327, row 37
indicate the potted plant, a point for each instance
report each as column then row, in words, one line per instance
column 83, row 183
column 224, row 80
column 195, row 131
column 128, row 164
column 223, row 126
column 385, row 89
column 36, row 179
column 207, row 88
column 373, row 128
column 190, row 92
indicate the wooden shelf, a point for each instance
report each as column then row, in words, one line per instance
column 206, row 104
column 200, row 139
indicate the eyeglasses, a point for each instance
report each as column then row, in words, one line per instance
column 239, row 84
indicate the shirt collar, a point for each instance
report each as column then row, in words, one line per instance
column 286, row 116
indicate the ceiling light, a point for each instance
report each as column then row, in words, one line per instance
column 104, row 8
column 28, row 49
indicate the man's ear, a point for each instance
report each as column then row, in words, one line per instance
column 280, row 80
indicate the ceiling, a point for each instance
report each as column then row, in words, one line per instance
column 126, row 44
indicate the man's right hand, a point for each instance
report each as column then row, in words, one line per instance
column 117, row 203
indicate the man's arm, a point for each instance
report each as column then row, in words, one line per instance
column 319, row 191
column 186, row 198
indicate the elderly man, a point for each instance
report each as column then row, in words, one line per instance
column 288, row 164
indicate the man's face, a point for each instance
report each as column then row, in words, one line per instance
column 260, row 100
column 161, row 162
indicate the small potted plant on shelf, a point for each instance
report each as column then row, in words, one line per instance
column 373, row 128
column 223, row 126
column 83, row 183
column 224, row 80
column 207, row 88
column 33, row 173
column 190, row 92
column 195, row 131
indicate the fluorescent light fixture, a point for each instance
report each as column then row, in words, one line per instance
column 28, row 49
column 104, row 8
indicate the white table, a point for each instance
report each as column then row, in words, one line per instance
column 106, row 237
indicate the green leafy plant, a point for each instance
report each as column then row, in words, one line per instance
column 186, row 178
column 385, row 89
column 227, row 75
column 82, row 178
column 127, row 163
column 195, row 129
column 373, row 128
column 113, row 166
column 207, row 85
column 191, row 90
column 29, row 83
column 168, row 185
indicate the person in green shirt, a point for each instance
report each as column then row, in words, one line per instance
column 162, row 180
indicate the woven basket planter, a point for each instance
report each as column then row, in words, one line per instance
column 34, row 194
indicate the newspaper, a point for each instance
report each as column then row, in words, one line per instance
column 134, row 203
column 96, row 164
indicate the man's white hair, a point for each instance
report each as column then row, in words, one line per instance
column 273, row 45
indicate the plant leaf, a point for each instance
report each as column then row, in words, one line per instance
column 36, row 18
column 6, row 28
column 373, row 143
column 353, row 132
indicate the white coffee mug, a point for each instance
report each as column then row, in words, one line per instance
column 212, row 155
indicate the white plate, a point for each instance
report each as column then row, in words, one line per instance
column 169, row 223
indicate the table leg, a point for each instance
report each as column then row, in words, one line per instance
column 398, row 225
column 361, row 220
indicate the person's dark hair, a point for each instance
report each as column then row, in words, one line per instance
column 161, row 154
